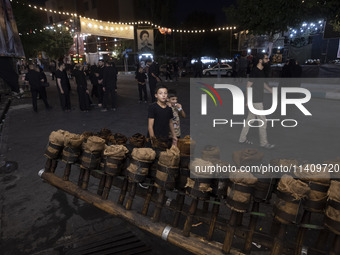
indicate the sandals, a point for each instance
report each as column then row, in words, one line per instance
column 268, row 146
column 246, row 142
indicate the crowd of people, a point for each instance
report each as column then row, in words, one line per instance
column 164, row 110
column 103, row 78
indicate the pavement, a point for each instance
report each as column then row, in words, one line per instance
column 36, row 218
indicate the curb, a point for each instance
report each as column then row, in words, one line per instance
column 126, row 73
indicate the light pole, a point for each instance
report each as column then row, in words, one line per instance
column 231, row 37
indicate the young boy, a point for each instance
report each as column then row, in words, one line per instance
column 160, row 117
column 140, row 78
column 177, row 112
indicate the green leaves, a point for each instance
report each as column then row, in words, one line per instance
column 30, row 23
column 274, row 16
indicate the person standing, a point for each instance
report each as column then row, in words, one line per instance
column 160, row 118
column 43, row 79
column 63, row 87
column 153, row 78
column 83, row 92
column 99, row 75
column 176, row 70
column 198, row 68
column 109, row 86
column 168, row 72
column 243, row 64
column 94, row 81
column 35, row 80
column 177, row 112
column 53, row 68
column 258, row 85
column 141, row 79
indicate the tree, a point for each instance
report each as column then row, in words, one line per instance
column 29, row 23
column 270, row 17
column 55, row 42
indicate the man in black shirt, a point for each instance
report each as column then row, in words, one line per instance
column 258, row 86
column 160, row 117
column 99, row 75
column 109, row 86
column 35, row 80
column 141, row 78
column 63, row 88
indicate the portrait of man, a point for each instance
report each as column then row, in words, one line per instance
column 145, row 40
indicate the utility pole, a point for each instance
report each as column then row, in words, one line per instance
column 231, row 37
column 77, row 36
column 76, row 22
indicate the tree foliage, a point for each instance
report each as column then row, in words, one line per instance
column 56, row 43
column 270, row 17
column 30, row 22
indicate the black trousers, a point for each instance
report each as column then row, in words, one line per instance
column 65, row 100
column 152, row 86
column 94, row 91
column 109, row 92
column 84, row 100
column 35, row 93
column 141, row 90
column 168, row 75
column 100, row 94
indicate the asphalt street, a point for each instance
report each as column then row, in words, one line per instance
column 36, row 218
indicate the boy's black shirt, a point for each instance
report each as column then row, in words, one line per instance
column 141, row 77
column 161, row 118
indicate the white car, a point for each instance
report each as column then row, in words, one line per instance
column 225, row 69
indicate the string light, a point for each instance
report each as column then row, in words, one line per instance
column 133, row 23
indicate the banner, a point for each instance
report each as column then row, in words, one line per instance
column 10, row 43
column 145, row 40
column 108, row 29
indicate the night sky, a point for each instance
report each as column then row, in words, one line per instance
column 185, row 7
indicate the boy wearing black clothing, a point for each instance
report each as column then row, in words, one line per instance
column 160, row 117
column 140, row 78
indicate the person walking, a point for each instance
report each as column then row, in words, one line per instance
column 35, row 80
column 258, row 86
column 109, row 86
column 63, row 87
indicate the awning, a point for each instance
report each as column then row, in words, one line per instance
column 108, row 29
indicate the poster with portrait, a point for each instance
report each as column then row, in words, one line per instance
column 145, row 40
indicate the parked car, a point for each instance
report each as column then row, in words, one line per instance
column 225, row 69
